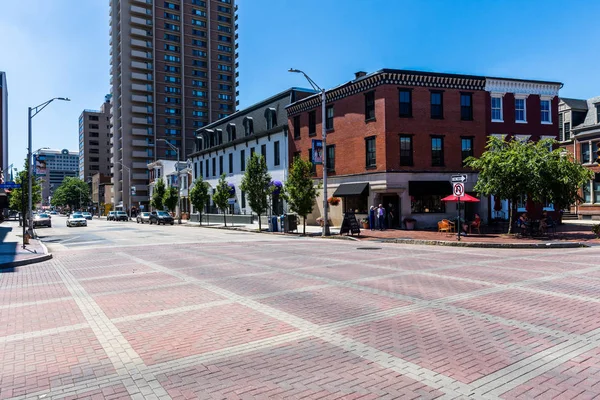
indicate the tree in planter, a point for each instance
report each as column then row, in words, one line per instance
column 158, row 195
column 199, row 195
column 511, row 169
column 16, row 195
column 221, row 196
column 72, row 192
column 299, row 189
column 170, row 199
column 256, row 182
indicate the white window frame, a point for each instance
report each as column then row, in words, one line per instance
column 549, row 100
column 499, row 96
column 524, row 98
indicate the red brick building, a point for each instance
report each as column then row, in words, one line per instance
column 402, row 134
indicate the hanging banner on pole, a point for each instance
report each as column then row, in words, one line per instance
column 40, row 164
column 317, row 151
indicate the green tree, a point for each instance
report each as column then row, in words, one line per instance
column 256, row 184
column 170, row 199
column 16, row 195
column 72, row 192
column 221, row 196
column 510, row 169
column 299, row 189
column 158, row 195
column 199, row 195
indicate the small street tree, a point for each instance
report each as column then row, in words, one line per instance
column 256, row 183
column 221, row 196
column 72, row 192
column 16, row 195
column 199, row 195
column 158, row 195
column 299, row 189
column 170, row 199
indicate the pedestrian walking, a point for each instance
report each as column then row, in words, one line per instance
column 381, row 217
column 372, row 217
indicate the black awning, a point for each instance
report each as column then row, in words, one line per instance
column 352, row 189
column 420, row 188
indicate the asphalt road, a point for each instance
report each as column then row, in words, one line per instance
column 175, row 312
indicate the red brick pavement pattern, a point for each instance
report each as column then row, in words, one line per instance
column 33, row 293
column 207, row 271
column 39, row 317
column 568, row 315
column 578, row 378
column 332, row 304
column 346, row 272
column 462, row 347
column 42, row 363
column 100, row 258
column 28, row 275
column 294, row 262
column 116, row 392
column 175, row 336
column 131, row 281
column 424, row 287
column 193, row 262
column 149, row 300
column 491, row 274
column 407, row 263
column 540, row 265
column 268, row 283
column 574, row 286
column 122, row 269
column 309, row 369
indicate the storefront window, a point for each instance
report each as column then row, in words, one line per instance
column 356, row 204
column 427, row 204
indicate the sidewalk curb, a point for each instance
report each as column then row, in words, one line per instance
column 548, row 245
column 32, row 260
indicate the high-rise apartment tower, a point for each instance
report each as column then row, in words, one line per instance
column 173, row 70
column 94, row 142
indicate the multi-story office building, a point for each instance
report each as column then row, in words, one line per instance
column 173, row 70
column 4, row 125
column 52, row 167
column 94, row 141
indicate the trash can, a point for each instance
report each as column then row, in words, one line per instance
column 274, row 223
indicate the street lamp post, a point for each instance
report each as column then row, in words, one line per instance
column 32, row 112
column 128, row 181
column 178, row 178
column 324, row 148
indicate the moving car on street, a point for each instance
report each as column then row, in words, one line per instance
column 42, row 220
column 143, row 217
column 87, row 215
column 76, row 219
column 121, row 216
column 161, row 217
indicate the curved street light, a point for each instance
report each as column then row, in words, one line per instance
column 178, row 177
column 128, row 181
column 32, row 112
column 324, row 151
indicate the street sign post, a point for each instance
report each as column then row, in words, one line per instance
column 459, row 178
column 10, row 185
column 458, row 189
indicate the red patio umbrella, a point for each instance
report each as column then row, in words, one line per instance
column 466, row 198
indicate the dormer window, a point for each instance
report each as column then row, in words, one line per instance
column 248, row 126
column 231, row 133
column 219, row 137
column 271, row 118
column 598, row 113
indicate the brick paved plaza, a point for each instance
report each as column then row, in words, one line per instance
column 289, row 318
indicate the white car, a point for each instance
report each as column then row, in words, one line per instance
column 76, row 220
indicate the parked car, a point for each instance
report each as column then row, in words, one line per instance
column 111, row 216
column 87, row 215
column 42, row 220
column 76, row 219
column 121, row 216
column 161, row 217
column 53, row 212
column 143, row 217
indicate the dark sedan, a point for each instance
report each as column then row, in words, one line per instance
column 161, row 217
column 42, row 220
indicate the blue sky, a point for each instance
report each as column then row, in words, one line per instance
column 60, row 48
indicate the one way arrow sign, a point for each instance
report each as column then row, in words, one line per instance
column 459, row 178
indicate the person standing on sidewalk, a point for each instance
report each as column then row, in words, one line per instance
column 381, row 217
column 372, row 217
